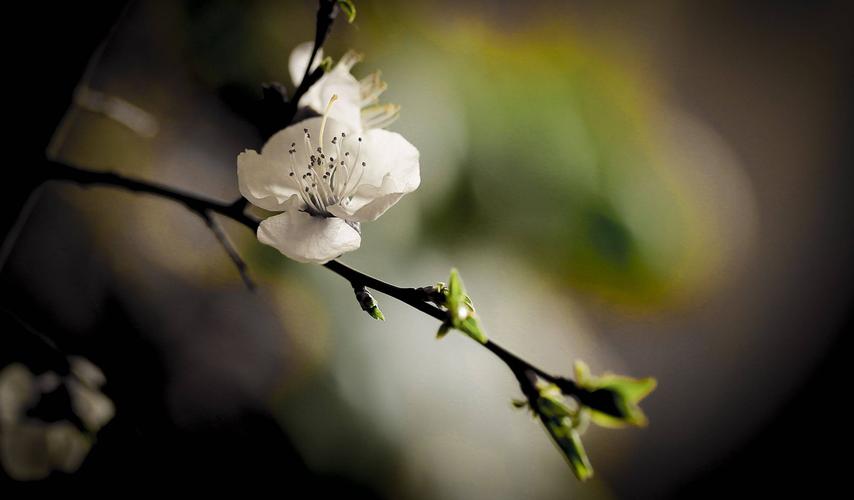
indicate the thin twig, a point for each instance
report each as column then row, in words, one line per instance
column 327, row 10
column 44, row 339
column 15, row 231
column 55, row 170
column 225, row 241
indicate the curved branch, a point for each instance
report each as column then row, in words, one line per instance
column 203, row 207
column 55, row 170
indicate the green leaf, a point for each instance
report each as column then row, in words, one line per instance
column 348, row 8
column 456, row 292
column 613, row 399
column 471, row 327
column 568, row 441
column 551, row 402
column 461, row 310
column 376, row 313
column 565, row 425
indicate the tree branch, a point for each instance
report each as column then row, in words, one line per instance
column 204, row 207
column 55, row 170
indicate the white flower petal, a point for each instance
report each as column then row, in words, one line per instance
column 91, row 405
column 392, row 170
column 86, row 371
column 299, row 60
column 369, row 202
column 389, row 154
column 263, row 179
column 307, row 238
column 348, row 108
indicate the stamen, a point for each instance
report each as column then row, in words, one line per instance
column 380, row 115
column 299, row 182
column 371, row 88
column 326, row 115
column 347, row 189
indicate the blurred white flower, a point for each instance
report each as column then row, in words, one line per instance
column 31, row 448
column 326, row 179
column 89, row 403
column 358, row 106
column 18, row 392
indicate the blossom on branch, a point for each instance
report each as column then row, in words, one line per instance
column 358, row 106
column 326, row 179
column 32, row 446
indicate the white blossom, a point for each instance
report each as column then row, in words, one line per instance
column 325, row 178
column 30, row 448
column 358, row 107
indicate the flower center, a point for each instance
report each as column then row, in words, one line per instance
column 326, row 178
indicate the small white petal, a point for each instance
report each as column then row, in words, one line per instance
column 305, row 238
column 390, row 154
column 348, row 108
column 91, row 405
column 299, row 60
column 263, row 179
column 86, row 371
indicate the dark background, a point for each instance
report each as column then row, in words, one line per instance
column 799, row 451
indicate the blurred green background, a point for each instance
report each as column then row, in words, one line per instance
column 656, row 188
